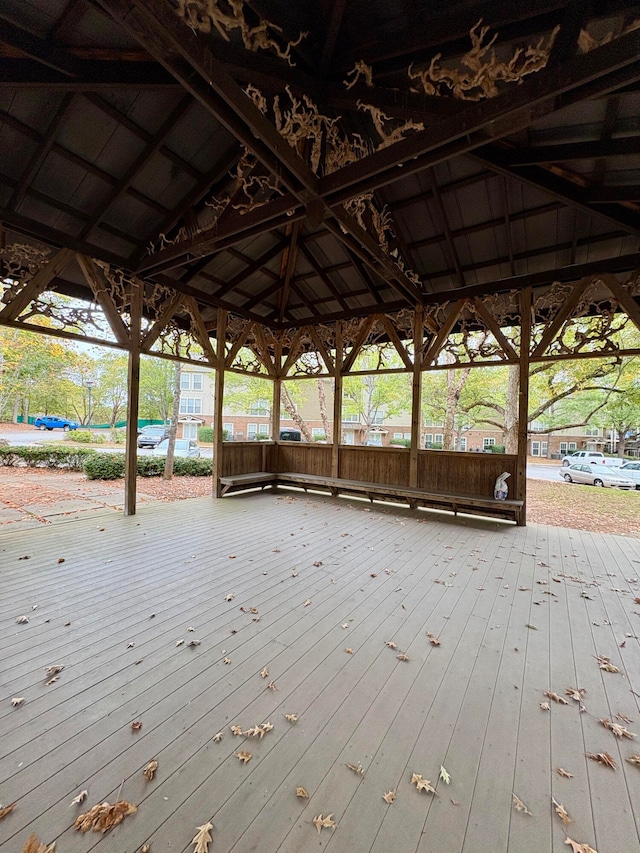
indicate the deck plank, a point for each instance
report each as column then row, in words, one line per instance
column 471, row 704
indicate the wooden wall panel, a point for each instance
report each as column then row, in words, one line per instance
column 241, row 457
column 389, row 466
column 304, row 458
column 466, row 473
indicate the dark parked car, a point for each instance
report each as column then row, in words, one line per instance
column 54, row 422
column 290, row 435
column 151, row 436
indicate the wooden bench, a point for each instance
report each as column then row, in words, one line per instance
column 236, row 482
column 509, row 509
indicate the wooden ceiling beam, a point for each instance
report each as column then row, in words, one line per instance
column 26, row 44
column 90, row 76
column 592, row 150
column 253, row 267
column 322, row 274
column 447, row 229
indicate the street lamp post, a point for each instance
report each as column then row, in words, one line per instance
column 89, row 387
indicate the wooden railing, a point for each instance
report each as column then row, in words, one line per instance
column 386, row 465
column 468, row 473
column 244, row 457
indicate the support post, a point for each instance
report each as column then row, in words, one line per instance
column 218, row 400
column 523, row 399
column 277, row 393
column 337, row 405
column 133, row 399
column 416, row 397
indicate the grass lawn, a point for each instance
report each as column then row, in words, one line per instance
column 584, row 507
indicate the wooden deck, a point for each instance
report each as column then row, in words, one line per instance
column 471, row 704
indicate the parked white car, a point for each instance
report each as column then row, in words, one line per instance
column 593, row 457
column 596, row 475
column 183, row 447
column 632, row 471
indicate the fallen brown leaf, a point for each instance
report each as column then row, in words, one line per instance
column 34, row 845
column 22, row 620
column 349, row 651
column 244, row 756
column 229, row 597
column 291, row 718
column 150, row 769
column 202, row 838
column 422, row 784
column 265, row 672
column 545, row 706
column 565, row 773
column 520, row 806
column 236, row 730
column 577, row 693
column 82, row 796
column 576, row 847
column 103, row 817
column 390, row 644
column 5, row 810
column 357, row 768
column 402, row 656
column 307, row 602
column 634, row 759
column 561, row 812
column 389, row 797
column 217, row 737
column 271, row 685
column 617, row 729
column 322, row 823
column 302, row 793
column 555, row 697
column 226, row 661
column 136, row 725
column 603, row 758
column 17, row 701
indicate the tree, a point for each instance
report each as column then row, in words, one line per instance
column 111, row 370
column 156, row 388
column 173, row 426
column 622, row 410
column 376, row 396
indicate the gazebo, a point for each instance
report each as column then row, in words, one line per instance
column 281, row 191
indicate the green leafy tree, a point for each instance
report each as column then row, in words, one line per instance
column 111, row 389
column 156, row 388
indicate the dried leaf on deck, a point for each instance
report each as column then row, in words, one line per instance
column 561, row 811
column 603, row 758
column 103, row 816
column 271, row 685
column 617, row 729
column 520, row 806
column 34, row 845
column 390, row 644
column 82, row 796
column 22, row 620
column 349, row 651
column 446, row 778
column 346, row 625
column 545, row 706
column 146, row 848
column 193, row 643
column 389, row 797
column 533, row 627
column 253, row 610
column 307, row 602
column 236, row 730
column 226, row 661
column 561, row 700
column 150, row 769
column 229, row 597
column 326, row 822
column 54, row 669
column 217, row 737
column 622, row 719
column 605, row 664
column 402, row 656
column 136, row 725
column 565, row 773
column 634, row 759
column 357, row 768
column 577, row 693
column 5, row 810
column 291, row 718
column 433, row 640
column 422, row 784
column 265, row 672
column 302, row 793
column 202, row 838
column 244, row 756
column 17, row 701
column 576, row 847
column 179, row 642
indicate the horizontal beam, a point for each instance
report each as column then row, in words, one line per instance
column 613, row 194
column 88, row 76
column 591, row 150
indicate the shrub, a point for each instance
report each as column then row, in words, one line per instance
column 262, row 436
column 52, row 456
column 400, row 442
column 320, row 437
column 105, row 466
column 83, row 436
column 110, row 466
column 497, row 448
column 205, row 435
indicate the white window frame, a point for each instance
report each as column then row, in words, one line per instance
column 398, row 435
column 487, row 441
column 190, row 405
column 428, row 440
column 438, row 438
column 572, row 446
column 564, row 447
column 535, row 448
column 196, row 382
column 263, row 429
column 259, row 409
column 544, row 448
column 252, row 431
column 185, row 381
column 229, row 429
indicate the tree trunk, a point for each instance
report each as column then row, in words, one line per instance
column 454, row 390
column 290, row 408
column 511, row 410
column 322, row 397
column 16, row 410
column 173, row 428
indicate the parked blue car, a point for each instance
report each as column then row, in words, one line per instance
column 54, row 422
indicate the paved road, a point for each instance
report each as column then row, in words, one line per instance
column 36, row 436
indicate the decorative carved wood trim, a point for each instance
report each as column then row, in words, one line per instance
column 566, row 309
column 238, row 344
column 199, row 331
column 359, row 342
column 395, row 340
column 262, row 349
column 168, row 310
column 443, row 333
column 37, row 285
column 95, row 280
column 495, row 329
column 624, row 299
column 326, row 357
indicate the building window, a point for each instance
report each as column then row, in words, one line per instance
column 196, row 380
column 190, row 405
column 377, row 420
column 438, row 438
column 592, row 432
column 537, row 426
column 228, row 428
column 407, row 435
column 428, row 440
column 563, row 447
column 463, row 443
column 375, row 439
column 573, row 445
column 185, row 381
column 190, row 430
column 397, row 435
column 317, row 432
column 263, row 429
column 535, row 448
column 544, row 448
column 353, row 418
column 488, row 442
column 260, row 408
column 252, row 431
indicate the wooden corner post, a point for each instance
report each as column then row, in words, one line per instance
column 416, row 397
column 218, row 401
column 523, row 400
column 337, row 405
column 133, row 399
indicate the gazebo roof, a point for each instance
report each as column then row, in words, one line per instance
column 256, row 168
